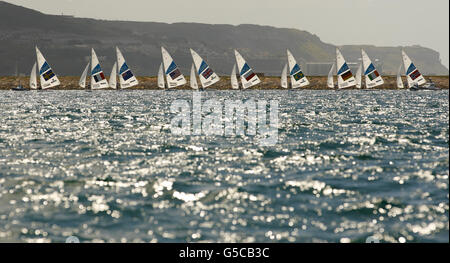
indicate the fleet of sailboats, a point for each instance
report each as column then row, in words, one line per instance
column 170, row 76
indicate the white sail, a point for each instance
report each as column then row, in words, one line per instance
column 330, row 81
column 284, row 83
column 126, row 76
column 358, row 77
column 372, row 77
column 298, row 79
column 248, row 77
column 400, row 84
column 412, row 73
column 33, row 78
column 161, row 82
column 113, row 77
column 193, row 78
column 98, row 79
column 344, row 74
column 234, row 80
column 47, row 76
column 173, row 74
column 207, row 76
column 82, row 82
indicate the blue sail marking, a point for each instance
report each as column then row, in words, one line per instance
column 123, row 68
column 44, row 68
column 203, row 67
column 411, row 69
column 370, row 69
column 96, row 70
column 245, row 68
column 171, row 68
column 343, row 69
column 295, row 69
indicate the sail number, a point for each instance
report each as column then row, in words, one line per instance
column 246, row 253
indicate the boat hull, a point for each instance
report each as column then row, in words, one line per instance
column 431, row 86
column 19, row 88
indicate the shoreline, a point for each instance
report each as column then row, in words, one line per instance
column 267, row 83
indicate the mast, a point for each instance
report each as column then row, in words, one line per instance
column 284, row 83
column 233, row 78
column 193, row 78
column 330, row 81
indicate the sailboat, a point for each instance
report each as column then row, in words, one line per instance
column 284, row 83
column 400, row 84
column 126, row 76
column 416, row 81
column 19, row 86
column 113, row 77
column 330, row 81
column 206, row 75
column 82, row 82
column 358, row 77
column 372, row 77
column 173, row 74
column 33, row 78
column 344, row 74
column 248, row 77
column 193, row 78
column 47, row 77
column 298, row 79
column 98, row 79
column 233, row 78
column 161, row 82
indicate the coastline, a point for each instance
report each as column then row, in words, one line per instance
column 268, row 83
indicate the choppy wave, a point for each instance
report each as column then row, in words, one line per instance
column 104, row 166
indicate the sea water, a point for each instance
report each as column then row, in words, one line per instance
column 104, row 166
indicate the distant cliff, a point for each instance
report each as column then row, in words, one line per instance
column 66, row 43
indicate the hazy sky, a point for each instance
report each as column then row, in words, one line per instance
column 376, row 22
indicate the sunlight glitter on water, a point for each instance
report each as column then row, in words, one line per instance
column 106, row 168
